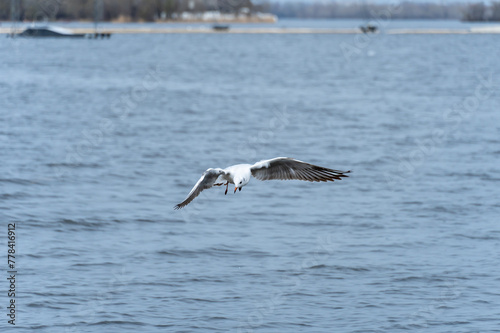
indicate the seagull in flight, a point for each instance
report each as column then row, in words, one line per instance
column 283, row 168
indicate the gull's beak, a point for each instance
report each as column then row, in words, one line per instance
column 235, row 189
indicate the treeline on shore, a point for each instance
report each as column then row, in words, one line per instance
column 480, row 12
column 122, row 10
column 397, row 10
column 155, row 10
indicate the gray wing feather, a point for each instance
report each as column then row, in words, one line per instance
column 206, row 181
column 286, row 168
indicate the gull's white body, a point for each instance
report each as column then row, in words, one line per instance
column 276, row 168
column 237, row 173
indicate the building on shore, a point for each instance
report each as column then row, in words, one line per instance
column 214, row 11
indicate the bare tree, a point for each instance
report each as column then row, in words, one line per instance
column 475, row 12
column 495, row 11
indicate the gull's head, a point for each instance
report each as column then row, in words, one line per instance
column 239, row 183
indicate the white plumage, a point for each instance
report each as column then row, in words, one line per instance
column 283, row 168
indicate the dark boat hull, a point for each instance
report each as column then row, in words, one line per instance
column 44, row 32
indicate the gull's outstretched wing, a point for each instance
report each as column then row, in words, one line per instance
column 206, row 181
column 289, row 168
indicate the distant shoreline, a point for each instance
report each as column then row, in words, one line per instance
column 270, row 30
column 237, row 21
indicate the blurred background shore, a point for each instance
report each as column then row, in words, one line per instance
column 242, row 11
column 246, row 16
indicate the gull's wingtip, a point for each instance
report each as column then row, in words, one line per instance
column 177, row 207
column 344, row 174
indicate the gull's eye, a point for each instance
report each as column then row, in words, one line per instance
column 241, row 182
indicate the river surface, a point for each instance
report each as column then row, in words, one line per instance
column 101, row 138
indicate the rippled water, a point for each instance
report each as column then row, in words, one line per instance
column 100, row 139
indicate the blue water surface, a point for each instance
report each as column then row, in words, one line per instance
column 101, row 138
